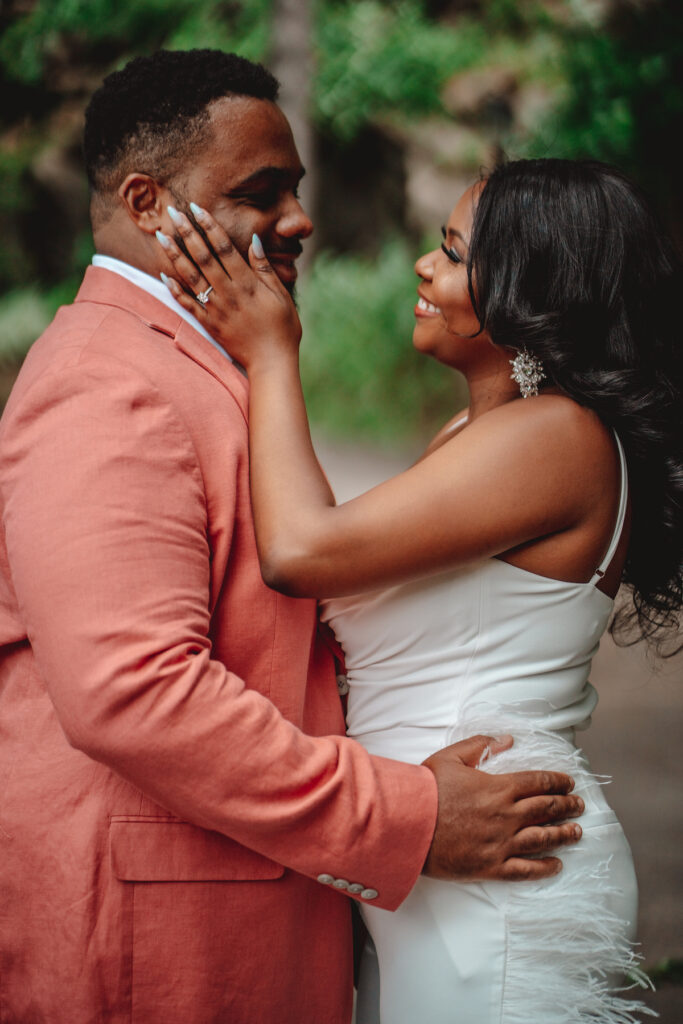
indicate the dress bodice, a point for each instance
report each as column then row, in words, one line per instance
column 421, row 654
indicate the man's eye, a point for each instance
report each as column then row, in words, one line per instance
column 263, row 200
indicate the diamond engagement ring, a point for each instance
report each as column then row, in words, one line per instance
column 203, row 297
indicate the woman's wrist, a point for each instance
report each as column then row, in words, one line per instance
column 271, row 361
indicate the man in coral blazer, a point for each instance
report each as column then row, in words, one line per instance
column 181, row 819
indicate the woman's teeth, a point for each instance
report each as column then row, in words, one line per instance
column 428, row 307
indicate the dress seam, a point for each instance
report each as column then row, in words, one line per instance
column 461, row 690
column 506, row 961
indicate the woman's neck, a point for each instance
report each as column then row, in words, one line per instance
column 490, row 387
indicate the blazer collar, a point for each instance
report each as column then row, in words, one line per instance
column 106, row 288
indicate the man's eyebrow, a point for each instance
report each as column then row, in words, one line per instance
column 270, row 174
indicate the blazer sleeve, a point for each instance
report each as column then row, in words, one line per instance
column 106, row 528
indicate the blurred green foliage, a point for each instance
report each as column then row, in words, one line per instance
column 14, row 260
column 621, row 97
column 361, row 374
column 24, row 315
column 243, row 28
column 26, row 312
column 12, row 163
column 34, row 40
column 667, row 972
column 376, row 57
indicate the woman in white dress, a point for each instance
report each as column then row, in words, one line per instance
column 470, row 592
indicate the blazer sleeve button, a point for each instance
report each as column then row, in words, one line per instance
column 342, row 685
column 356, row 888
column 369, row 894
column 326, row 879
column 340, row 883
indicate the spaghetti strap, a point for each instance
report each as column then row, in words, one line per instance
column 621, row 516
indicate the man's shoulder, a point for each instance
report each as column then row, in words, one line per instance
column 112, row 350
column 109, row 313
column 84, row 334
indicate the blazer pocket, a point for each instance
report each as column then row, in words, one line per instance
column 148, row 849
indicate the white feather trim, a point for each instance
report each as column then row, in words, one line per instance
column 567, row 951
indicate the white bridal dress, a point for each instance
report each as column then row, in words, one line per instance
column 493, row 648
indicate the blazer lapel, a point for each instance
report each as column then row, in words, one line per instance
column 104, row 287
column 195, row 345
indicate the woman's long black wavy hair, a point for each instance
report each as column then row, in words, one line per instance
column 567, row 260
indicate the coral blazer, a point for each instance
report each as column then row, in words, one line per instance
column 177, row 805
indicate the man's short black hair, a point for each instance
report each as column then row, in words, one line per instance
column 152, row 115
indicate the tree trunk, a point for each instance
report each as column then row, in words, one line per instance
column 291, row 61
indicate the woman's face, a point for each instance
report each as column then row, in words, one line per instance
column 446, row 326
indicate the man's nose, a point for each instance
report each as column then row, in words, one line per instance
column 293, row 221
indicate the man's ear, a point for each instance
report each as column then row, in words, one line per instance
column 145, row 201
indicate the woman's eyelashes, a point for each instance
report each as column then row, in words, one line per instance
column 452, row 254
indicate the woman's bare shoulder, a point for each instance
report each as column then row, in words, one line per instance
column 555, row 419
column 549, row 443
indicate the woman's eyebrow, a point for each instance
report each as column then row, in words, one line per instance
column 452, row 231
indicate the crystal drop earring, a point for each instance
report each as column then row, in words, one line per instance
column 527, row 371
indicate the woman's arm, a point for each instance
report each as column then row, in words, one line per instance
column 511, row 477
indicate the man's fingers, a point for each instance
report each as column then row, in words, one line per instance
column 516, row 869
column 528, row 784
column 500, row 743
column 535, row 840
column 542, row 810
column 475, row 749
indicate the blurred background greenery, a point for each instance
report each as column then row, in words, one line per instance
column 397, row 106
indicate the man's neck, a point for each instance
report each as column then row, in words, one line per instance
column 119, row 240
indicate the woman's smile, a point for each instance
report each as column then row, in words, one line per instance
column 426, row 308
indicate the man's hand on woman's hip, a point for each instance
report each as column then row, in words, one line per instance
column 497, row 826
